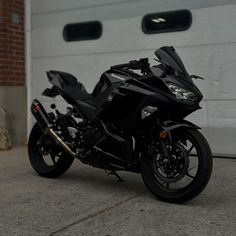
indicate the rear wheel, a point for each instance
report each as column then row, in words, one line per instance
column 185, row 173
column 47, row 158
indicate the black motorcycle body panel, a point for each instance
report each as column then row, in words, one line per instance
column 119, row 98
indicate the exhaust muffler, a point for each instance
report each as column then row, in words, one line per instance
column 40, row 114
column 46, row 125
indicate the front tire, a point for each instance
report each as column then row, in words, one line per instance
column 163, row 186
column 46, row 157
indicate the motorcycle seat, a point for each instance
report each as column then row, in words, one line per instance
column 72, row 87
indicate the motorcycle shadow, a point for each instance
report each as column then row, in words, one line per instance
column 98, row 179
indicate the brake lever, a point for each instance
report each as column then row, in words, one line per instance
column 196, row 77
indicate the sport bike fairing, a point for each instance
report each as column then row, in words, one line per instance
column 121, row 94
column 131, row 121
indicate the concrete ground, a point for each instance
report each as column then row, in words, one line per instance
column 85, row 201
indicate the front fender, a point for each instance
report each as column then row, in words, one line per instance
column 169, row 125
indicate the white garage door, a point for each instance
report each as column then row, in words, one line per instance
column 208, row 48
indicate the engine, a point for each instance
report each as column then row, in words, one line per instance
column 87, row 136
column 81, row 136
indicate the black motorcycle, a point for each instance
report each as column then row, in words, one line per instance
column 132, row 121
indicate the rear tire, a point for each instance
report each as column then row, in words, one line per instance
column 197, row 184
column 36, row 158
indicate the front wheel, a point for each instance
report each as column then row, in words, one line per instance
column 183, row 173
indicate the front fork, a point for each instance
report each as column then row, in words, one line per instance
column 161, row 140
column 163, row 137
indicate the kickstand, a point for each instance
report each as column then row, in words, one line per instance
column 112, row 172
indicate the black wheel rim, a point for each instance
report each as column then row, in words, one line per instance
column 179, row 182
column 48, row 154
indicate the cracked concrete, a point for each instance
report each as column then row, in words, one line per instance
column 91, row 215
column 85, row 201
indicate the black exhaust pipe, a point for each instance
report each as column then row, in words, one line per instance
column 40, row 114
column 46, row 125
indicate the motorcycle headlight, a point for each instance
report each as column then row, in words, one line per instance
column 181, row 93
column 147, row 111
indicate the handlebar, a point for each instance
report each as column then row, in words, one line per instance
column 132, row 65
column 119, row 66
column 142, row 64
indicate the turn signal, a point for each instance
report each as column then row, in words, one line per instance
column 163, row 134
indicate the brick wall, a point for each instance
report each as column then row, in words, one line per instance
column 12, row 43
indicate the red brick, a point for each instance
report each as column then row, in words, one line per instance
column 12, row 44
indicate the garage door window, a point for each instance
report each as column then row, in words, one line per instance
column 166, row 22
column 82, row 31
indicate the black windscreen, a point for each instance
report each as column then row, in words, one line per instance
column 82, row 31
column 167, row 21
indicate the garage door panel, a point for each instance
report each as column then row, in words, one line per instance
column 126, row 34
column 221, row 113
